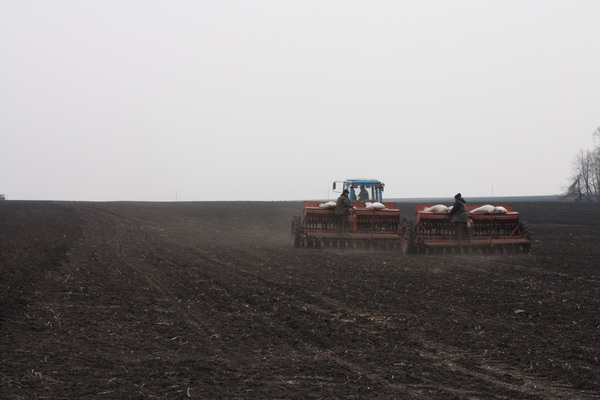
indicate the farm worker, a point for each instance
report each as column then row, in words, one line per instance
column 459, row 216
column 342, row 208
column 363, row 195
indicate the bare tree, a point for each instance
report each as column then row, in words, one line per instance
column 594, row 160
column 585, row 182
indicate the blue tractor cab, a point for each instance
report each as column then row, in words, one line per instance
column 361, row 189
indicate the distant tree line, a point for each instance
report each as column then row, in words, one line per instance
column 585, row 182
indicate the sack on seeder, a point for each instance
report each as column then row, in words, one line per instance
column 489, row 209
column 440, row 208
column 374, row 206
column 329, row 204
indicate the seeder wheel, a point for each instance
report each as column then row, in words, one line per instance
column 296, row 232
column 407, row 238
column 526, row 229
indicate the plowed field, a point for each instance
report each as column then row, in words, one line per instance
column 209, row 300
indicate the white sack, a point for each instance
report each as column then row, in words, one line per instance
column 487, row 209
column 440, row 208
column 499, row 210
column 329, row 204
column 374, row 206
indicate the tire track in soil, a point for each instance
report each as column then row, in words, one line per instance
column 449, row 357
column 533, row 272
column 225, row 272
column 301, row 345
column 162, row 360
column 315, row 351
column 123, row 241
column 215, row 369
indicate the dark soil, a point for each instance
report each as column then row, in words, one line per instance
column 209, row 300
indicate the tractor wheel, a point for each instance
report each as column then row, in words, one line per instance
column 407, row 238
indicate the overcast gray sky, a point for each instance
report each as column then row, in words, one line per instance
column 274, row 100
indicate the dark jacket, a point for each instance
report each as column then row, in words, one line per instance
column 459, row 211
column 342, row 204
column 363, row 195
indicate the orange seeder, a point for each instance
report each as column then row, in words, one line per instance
column 432, row 232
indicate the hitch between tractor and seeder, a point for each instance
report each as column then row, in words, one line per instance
column 433, row 232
